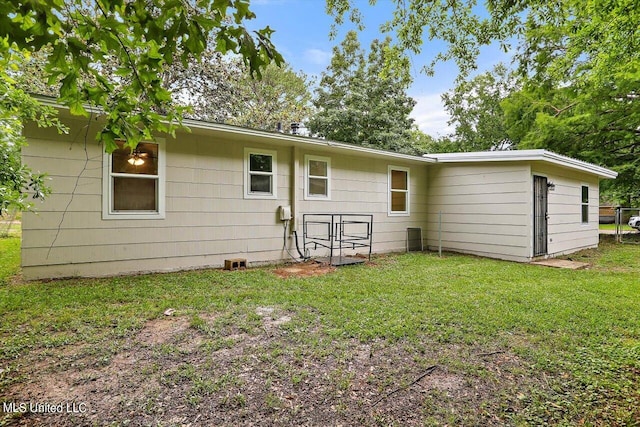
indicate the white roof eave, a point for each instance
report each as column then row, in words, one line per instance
column 269, row 136
column 525, row 155
column 302, row 140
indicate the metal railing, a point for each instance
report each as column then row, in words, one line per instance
column 337, row 232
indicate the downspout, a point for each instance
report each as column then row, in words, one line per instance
column 295, row 169
column 429, row 174
column 295, row 177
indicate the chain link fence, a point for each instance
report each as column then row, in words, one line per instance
column 627, row 231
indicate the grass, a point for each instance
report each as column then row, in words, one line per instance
column 574, row 334
column 612, row 227
column 9, row 258
column 10, row 224
column 10, row 233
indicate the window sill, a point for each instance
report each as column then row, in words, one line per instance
column 317, row 198
column 398, row 214
column 133, row 216
column 260, row 196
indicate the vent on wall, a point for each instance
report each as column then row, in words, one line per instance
column 414, row 239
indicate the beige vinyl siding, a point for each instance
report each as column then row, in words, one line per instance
column 360, row 186
column 207, row 219
column 485, row 209
column 566, row 232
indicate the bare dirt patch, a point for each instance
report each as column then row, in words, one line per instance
column 160, row 330
column 279, row 373
column 304, row 269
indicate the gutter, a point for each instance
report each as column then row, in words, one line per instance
column 525, row 155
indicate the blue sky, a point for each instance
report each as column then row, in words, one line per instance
column 302, row 36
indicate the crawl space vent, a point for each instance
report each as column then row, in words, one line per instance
column 414, row 239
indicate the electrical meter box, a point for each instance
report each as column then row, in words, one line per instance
column 285, row 213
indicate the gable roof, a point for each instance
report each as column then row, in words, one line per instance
column 525, row 155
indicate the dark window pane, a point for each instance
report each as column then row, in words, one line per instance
column 144, row 159
column 261, row 184
column 317, row 186
column 585, row 213
column 260, row 163
column 134, row 194
column 398, row 201
column 398, row 180
column 585, row 194
column 317, row 168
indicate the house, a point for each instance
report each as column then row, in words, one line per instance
column 219, row 192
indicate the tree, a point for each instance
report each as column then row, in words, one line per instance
column 357, row 102
column 598, row 124
column 425, row 143
column 476, row 112
column 137, row 40
column 17, row 180
column 281, row 96
column 579, row 61
column 564, row 38
column 214, row 87
column 207, row 86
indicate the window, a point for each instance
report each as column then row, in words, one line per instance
column 260, row 174
column 317, row 177
column 133, row 182
column 398, row 191
column 585, row 204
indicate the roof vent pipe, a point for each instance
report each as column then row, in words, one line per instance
column 294, row 128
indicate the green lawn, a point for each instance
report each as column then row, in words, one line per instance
column 625, row 227
column 10, row 225
column 9, row 258
column 508, row 343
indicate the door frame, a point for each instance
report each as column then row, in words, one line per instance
column 540, row 223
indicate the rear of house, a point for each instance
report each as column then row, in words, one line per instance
column 213, row 194
column 222, row 192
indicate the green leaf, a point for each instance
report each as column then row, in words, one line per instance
column 108, row 139
column 77, row 108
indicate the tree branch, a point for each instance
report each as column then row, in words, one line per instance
column 429, row 370
column 126, row 51
column 563, row 109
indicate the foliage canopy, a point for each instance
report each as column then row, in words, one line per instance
column 476, row 112
column 136, row 40
column 356, row 102
column 578, row 63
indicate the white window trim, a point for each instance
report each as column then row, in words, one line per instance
column 587, row 222
column 274, row 174
column 307, row 176
column 408, row 191
column 107, row 187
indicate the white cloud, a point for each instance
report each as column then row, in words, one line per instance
column 317, row 56
column 430, row 115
